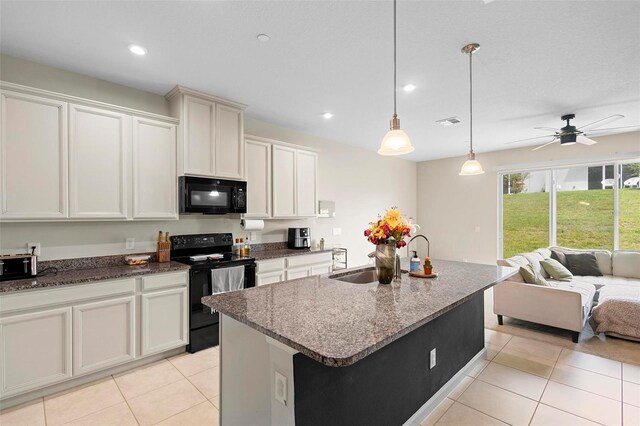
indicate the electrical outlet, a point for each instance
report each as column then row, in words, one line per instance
column 280, row 388
column 252, row 236
column 130, row 243
column 36, row 245
column 477, row 229
column 432, row 358
column 337, row 231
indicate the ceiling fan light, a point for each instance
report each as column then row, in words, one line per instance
column 395, row 142
column 471, row 167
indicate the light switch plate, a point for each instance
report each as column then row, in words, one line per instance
column 130, row 243
column 280, row 388
column 337, row 231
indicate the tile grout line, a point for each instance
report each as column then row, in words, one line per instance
column 126, row 401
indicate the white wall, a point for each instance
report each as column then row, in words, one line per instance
column 451, row 206
column 361, row 183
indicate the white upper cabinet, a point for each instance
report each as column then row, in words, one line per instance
column 199, row 133
column 229, row 146
column 284, row 181
column 306, row 175
column 63, row 157
column 33, row 157
column 211, row 141
column 258, row 175
column 155, row 192
column 98, row 170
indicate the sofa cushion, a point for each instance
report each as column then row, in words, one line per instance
column 556, row 270
column 583, row 264
column 545, row 252
column 607, row 280
column 626, row 263
column 515, row 262
column 532, row 276
column 559, row 256
column 534, row 259
column 603, row 256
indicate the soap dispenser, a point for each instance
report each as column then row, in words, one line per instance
column 414, row 264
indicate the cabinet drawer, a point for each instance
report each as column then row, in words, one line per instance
column 174, row 279
column 67, row 294
column 271, row 265
column 308, row 260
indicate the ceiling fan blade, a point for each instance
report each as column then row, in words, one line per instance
column 615, row 129
column 601, row 122
column 550, row 129
column 530, row 139
column 546, row 144
column 585, row 140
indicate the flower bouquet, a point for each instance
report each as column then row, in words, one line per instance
column 388, row 233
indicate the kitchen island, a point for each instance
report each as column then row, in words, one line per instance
column 320, row 350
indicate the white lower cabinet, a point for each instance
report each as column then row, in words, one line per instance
column 276, row 270
column 164, row 320
column 35, row 350
column 103, row 334
column 77, row 330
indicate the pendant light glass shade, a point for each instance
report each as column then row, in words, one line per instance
column 396, row 141
column 471, row 166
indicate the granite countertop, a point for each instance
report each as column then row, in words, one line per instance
column 89, row 275
column 338, row 323
column 283, row 252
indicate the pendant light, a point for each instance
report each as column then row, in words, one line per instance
column 471, row 166
column 396, row 141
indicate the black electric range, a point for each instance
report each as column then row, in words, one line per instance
column 204, row 253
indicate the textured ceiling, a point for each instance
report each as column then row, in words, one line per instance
column 538, row 60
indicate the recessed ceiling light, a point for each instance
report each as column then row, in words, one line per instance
column 327, row 115
column 409, row 87
column 137, row 50
column 263, row 38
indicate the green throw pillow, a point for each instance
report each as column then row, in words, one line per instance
column 532, row 276
column 556, row 270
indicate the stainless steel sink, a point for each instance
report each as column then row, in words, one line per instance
column 367, row 276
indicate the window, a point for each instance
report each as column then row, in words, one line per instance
column 589, row 206
column 584, row 207
column 525, row 201
column 629, row 206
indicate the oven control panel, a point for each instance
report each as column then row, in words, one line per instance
column 201, row 241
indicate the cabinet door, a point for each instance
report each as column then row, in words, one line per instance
column 292, row 274
column 199, row 133
column 306, row 183
column 284, row 181
column 35, row 350
column 269, row 278
column 258, row 174
column 164, row 320
column 103, row 334
column 33, row 157
column 229, row 142
column 321, row 269
column 99, row 141
column 155, row 191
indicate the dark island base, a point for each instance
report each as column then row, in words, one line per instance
column 390, row 385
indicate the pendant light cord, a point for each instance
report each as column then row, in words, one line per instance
column 395, row 80
column 471, row 101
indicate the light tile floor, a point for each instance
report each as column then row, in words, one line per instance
column 521, row 382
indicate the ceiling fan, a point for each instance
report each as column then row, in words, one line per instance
column 570, row 134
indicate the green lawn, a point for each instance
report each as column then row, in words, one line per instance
column 584, row 220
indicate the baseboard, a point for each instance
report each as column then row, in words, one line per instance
column 68, row 384
column 445, row 390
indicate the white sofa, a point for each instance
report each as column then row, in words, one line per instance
column 564, row 305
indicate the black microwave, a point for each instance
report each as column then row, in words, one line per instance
column 212, row 196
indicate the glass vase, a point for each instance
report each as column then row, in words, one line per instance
column 385, row 262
